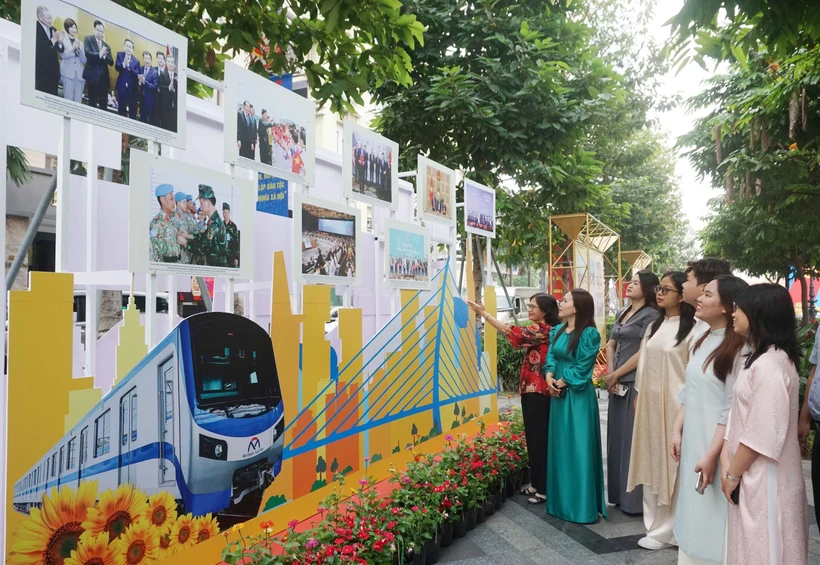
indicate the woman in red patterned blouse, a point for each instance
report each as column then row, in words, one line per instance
column 535, row 399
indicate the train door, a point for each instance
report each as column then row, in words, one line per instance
column 166, row 395
column 83, row 454
column 128, row 436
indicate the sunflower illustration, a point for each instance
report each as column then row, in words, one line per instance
column 115, row 511
column 166, row 547
column 139, row 544
column 94, row 551
column 205, row 527
column 161, row 512
column 182, row 532
column 49, row 535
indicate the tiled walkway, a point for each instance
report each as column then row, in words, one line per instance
column 521, row 534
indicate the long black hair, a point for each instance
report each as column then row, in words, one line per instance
column 649, row 281
column 771, row 321
column 549, row 306
column 723, row 358
column 584, row 317
column 687, row 311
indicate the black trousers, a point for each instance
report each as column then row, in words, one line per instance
column 815, row 471
column 535, row 409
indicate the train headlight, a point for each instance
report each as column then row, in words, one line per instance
column 212, row 448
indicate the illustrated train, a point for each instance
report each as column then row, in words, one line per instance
column 201, row 417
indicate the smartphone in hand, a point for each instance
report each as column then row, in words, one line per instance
column 700, row 486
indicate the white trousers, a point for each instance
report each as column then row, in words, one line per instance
column 659, row 521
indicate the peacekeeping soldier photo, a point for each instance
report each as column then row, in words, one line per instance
column 194, row 218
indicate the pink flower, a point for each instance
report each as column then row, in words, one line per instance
column 363, row 482
column 293, row 523
column 405, row 480
column 311, row 543
column 448, row 437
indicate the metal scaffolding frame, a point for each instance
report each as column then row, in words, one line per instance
column 587, row 230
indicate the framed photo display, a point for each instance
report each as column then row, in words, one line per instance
column 187, row 220
column 407, row 256
column 268, row 128
column 95, row 61
column 436, row 192
column 370, row 167
column 327, row 241
column 479, row 209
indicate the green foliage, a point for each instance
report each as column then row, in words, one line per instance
column 17, row 165
column 506, row 89
column 729, row 29
column 753, row 143
column 275, row 501
column 376, row 458
column 396, row 449
column 344, row 47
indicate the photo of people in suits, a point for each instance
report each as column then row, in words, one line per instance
column 83, row 57
column 274, row 126
column 276, row 142
column 372, row 168
column 479, row 209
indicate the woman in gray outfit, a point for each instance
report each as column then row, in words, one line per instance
column 71, row 69
column 622, row 353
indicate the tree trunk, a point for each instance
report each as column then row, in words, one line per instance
column 804, row 294
column 478, row 275
column 110, row 310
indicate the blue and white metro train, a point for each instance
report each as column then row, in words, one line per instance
column 201, row 416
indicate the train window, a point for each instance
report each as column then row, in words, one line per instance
column 72, row 450
column 234, row 371
column 102, row 434
column 84, row 445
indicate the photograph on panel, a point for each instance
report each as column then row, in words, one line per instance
column 102, row 64
column 408, row 256
column 479, row 208
column 268, row 128
column 369, row 166
column 197, row 218
column 327, row 242
column 435, row 191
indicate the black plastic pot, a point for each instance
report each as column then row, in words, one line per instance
column 446, row 534
column 431, row 549
column 480, row 513
column 459, row 528
column 470, row 518
column 489, row 506
column 421, row 556
column 510, row 486
column 525, row 476
column 499, row 499
column 519, row 481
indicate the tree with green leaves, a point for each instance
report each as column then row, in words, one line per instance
column 760, row 143
column 321, row 466
column 505, row 90
column 344, row 47
column 17, row 165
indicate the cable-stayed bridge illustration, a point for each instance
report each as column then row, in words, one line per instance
column 423, row 374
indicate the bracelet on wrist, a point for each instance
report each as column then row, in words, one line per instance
column 731, row 478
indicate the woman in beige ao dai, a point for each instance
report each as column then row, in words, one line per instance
column 660, row 376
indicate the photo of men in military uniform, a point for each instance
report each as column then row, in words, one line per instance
column 183, row 233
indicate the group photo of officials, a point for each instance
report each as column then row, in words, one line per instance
column 263, row 138
column 74, row 59
column 438, row 193
column 479, row 221
column 183, row 233
column 408, row 268
column 372, row 169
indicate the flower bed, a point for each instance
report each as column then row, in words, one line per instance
column 434, row 499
